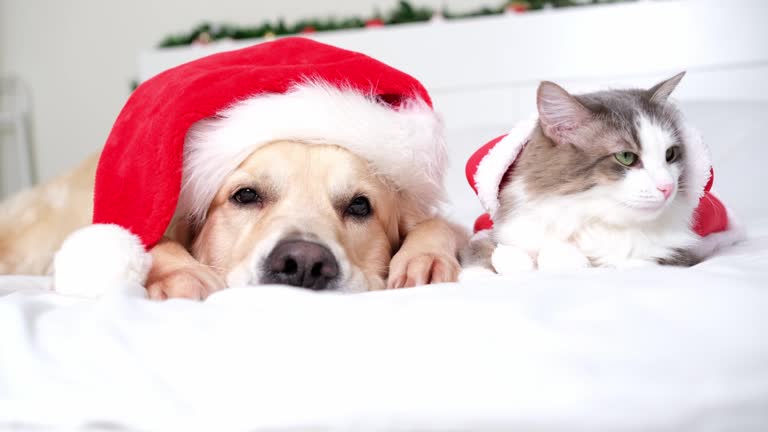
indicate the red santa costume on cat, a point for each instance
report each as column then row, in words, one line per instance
column 491, row 166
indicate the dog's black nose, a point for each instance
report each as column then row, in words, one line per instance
column 302, row 264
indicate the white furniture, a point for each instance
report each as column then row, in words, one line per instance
column 482, row 73
column 14, row 114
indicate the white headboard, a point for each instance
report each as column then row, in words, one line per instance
column 482, row 72
column 493, row 64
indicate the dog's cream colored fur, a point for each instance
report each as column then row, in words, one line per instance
column 306, row 185
column 35, row 222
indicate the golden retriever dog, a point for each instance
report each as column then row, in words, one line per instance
column 290, row 162
column 311, row 216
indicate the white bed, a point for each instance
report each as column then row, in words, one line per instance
column 665, row 349
column 661, row 349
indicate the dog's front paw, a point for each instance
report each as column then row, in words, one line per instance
column 511, row 259
column 408, row 271
column 192, row 282
column 561, row 256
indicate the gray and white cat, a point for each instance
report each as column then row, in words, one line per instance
column 604, row 180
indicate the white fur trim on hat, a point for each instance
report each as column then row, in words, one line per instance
column 698, row 162
column 492, row 167
column 98, row 257
column 404, row 144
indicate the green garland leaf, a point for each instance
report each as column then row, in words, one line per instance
column 405, row 12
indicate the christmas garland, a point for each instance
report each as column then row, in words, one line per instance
column 403, row 13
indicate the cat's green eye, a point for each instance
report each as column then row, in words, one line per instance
column 626, row 158
column 672, row 153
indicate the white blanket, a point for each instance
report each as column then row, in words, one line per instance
column 655, row 349
column 652, row 349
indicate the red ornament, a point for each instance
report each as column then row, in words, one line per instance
column 374, row 22
column 517, row 7
column 309, row 29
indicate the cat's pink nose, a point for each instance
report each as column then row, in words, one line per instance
column 666, row 189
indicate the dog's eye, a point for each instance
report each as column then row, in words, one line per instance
column 359, row 207
column 246, row 196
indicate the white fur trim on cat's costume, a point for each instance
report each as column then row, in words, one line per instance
column 491, row 169
column 698, row 163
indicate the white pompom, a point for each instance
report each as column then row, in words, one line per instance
column 97, row 258
column 511, row 260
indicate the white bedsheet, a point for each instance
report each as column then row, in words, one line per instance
column 652, row 349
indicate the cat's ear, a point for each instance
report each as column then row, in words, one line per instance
column 560, row 114
column 661, row 91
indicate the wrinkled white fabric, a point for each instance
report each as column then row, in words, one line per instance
column 647, row 349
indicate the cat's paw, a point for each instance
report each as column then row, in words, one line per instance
column 511, row 259
column 561, row 256
column 475, row 273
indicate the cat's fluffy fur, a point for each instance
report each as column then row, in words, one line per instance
column 568, row 202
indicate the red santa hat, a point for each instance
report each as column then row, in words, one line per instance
column 488, row 168
column 153, row 165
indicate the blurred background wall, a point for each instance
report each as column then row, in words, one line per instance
column 78, row 58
